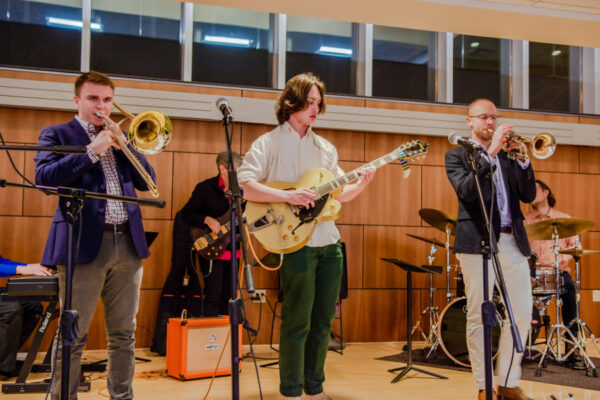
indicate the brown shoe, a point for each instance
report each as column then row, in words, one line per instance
column 481, row 395
column 511, row 393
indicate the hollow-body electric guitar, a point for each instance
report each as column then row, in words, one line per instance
column 285, row 228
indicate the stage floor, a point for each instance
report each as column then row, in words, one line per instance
column 354, row 375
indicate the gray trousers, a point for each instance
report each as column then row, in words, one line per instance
column 115, row 276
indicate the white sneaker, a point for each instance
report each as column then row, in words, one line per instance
column 291, row 398
column 320, row 396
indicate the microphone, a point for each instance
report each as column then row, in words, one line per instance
column 249, row 278
column 455, row 138
column 223, row 105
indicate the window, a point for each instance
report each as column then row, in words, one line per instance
column 553, row 77
column 477, row 69
column 323, row 47
column 231, row 46
column 401, row 63
column 136, row 38
column 41, row 34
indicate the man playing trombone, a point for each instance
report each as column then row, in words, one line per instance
column 108, row 261
column 504, row 182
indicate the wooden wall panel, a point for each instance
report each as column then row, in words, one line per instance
column 163, row 168
column 350, row 145
column 437, row 192
column 158, row 265
column 352, row 236
column 589, row 160
column 201, row 137
column 576, row 194
column 588, row 267
column 23, row 238
column 390, row 199
column 22, row 125
column 392, row 242
column 564, row 159
column 11, row 198
column 377, row 314
column 190, row 169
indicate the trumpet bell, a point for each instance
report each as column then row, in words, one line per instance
column 150, row 132
column 543, row 145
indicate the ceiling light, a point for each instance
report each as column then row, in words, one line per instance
column 227, row 40
column 71, row 23
column 474, row 44
column 556, row 52
column 335, row 51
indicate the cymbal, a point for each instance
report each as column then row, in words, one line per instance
column 579, row 252
column 438, row 219
column 429, row 240
column 565, row 227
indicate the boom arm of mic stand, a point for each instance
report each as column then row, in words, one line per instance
column 495, row 261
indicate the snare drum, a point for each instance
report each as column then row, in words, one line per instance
column 545, row 282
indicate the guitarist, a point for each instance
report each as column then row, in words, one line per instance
column 310, row 277
column 207, row 203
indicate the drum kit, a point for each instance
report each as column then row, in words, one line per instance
column 447, row 329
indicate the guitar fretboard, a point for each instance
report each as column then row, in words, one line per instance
column 353, row 175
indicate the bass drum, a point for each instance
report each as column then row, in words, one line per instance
column 452, row 331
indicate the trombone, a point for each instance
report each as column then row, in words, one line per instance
column 149, row 133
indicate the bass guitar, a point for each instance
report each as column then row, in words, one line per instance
column 285, row 228
column 212, row 245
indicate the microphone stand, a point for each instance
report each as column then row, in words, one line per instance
column 68, row 318
column 488, row 309
column 235, row 302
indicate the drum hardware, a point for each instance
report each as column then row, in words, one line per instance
column 540, row 318
column 559, row 334
column 583, row 330
column 434, row 315
column 445, row 223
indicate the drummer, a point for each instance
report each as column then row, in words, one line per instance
column 542, row 209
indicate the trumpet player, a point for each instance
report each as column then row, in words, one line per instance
column 108, row 262
column 504, row 183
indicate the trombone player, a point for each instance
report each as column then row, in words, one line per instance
column 112, row 245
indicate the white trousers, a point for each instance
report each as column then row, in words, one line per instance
column 515, row 270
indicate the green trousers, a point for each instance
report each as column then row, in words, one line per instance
column 310, row 281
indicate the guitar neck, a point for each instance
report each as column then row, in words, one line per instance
column 353, row 175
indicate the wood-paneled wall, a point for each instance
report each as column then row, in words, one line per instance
column 374, row 225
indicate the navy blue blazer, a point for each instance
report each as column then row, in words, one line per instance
column 519, row 184
column 78, row 171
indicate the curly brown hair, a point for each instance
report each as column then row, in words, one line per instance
column 293, row 97
column 92, row 77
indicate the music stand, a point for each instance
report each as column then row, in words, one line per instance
column 410, row 268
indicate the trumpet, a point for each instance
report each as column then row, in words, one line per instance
column 542, row 146
column 149, row 133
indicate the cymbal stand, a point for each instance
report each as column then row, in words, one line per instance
column 448, row 266
column 583, row 330
column 563, row 334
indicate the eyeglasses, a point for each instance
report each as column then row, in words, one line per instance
column 485, row 117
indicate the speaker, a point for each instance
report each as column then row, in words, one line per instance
column 194, row 346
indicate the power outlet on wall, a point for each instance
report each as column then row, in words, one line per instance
column 260, row 296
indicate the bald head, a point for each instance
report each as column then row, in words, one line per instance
column 478, row 104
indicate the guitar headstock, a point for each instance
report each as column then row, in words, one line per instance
column 414, row 148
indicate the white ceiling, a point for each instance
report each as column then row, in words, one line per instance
column 571, row 22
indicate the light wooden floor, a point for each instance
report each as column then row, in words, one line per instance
column 354, row 375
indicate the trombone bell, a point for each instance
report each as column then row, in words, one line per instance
column 150, row 132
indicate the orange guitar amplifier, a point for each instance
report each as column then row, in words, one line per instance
column 194, row 346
